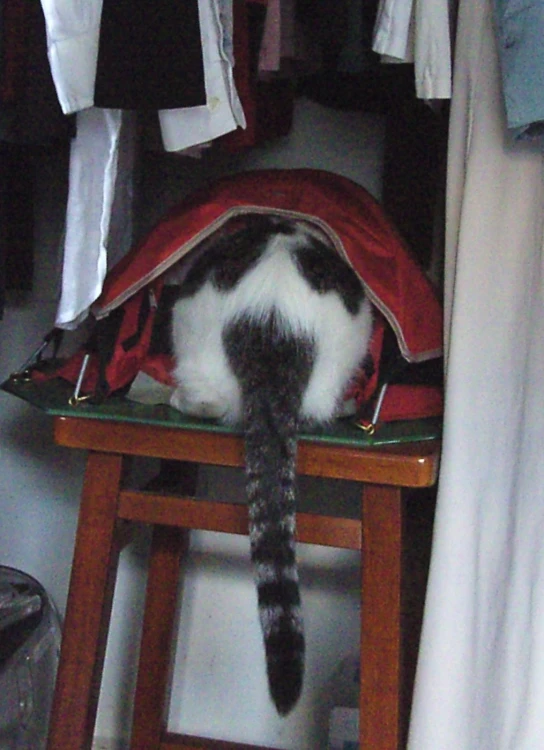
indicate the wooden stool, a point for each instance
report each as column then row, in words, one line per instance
column 108, row 509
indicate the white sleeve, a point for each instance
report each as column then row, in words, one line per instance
column 191, row 126
column 73, row 30
column 432, row 54
column 98, row 216
column 392, row 29
column 417, row 31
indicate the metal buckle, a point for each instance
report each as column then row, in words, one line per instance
column 370, row 427
column 75, row 399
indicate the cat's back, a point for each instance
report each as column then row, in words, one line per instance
column 271, row 266
column 275, row 283
column 296, row 276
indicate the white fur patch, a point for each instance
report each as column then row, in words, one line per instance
column 207, row 386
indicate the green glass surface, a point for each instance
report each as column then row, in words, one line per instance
column 53, row 397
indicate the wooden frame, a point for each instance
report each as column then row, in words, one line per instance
column 107, row 512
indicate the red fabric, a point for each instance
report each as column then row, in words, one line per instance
column 411, row 402
column 128, row 355
column 159, row 367
column 344, row 210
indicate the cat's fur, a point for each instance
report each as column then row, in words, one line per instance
column 270, row 327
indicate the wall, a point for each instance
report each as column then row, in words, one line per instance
column 219, row 686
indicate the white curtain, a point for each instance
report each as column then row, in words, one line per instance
column 480, row 680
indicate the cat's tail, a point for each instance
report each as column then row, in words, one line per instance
column 275, row 371
column 270, row 468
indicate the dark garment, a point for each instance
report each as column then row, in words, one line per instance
column 30, row 112
column 150, row 55
column 3, row 238
column 30, row 119
column 14, row 19
column 415, row 144
column 16, row 219
column 267, row 104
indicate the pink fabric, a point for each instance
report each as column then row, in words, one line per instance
column 270, row 53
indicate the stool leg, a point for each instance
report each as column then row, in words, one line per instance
column 381, row 567
column 168, row 548
column 88, row 609
column 151, row 699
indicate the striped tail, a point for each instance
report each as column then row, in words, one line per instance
column 274, row 374
column 270, row 467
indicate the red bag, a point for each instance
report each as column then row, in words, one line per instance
column 349, row 217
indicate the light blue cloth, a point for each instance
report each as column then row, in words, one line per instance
column 520, row 33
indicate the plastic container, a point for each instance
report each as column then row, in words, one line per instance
column 30, row 636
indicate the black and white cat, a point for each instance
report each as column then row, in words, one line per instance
column 269, row 328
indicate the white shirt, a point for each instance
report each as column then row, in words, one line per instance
column 97, row 170
column 417, row 31
column 73, row 31
column 98, row 227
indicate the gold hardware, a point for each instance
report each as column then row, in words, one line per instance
column 23, row 376
column 369, row 428
column 76, row 400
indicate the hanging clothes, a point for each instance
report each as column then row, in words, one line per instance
column 335, row 63
column 149, row 55
column 30, row 113
column 418, row 31
column 271, row 49
column 16, row 220
column 222, row 113
column 30, row 121
column 392, row 30
column 73, row 33
column 98, row 163
column 480, row 677
column 520, row 31
column 98, row 228
column 73, row 30
column 267, row 99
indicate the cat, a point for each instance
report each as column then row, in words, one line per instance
column 269, row 328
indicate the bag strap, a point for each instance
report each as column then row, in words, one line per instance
column 36, row 360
